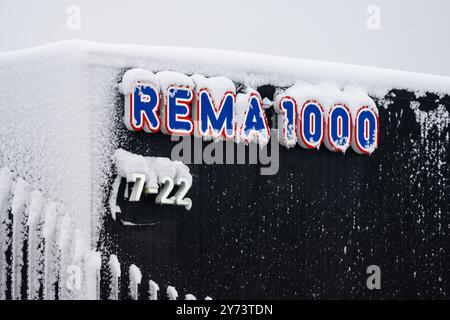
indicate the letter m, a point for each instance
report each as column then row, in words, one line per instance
column 213, row 121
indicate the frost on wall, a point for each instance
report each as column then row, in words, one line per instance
column 153, row 171
column 328, row 96
column 19, row 213
column 153, row 290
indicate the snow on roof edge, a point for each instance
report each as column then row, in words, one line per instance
column 251, row 69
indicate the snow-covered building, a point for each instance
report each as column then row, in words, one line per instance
column 86, row 209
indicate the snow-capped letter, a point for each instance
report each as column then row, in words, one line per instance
column 141, row 109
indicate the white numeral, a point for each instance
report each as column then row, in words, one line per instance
column 166, row 190
column 139, row 180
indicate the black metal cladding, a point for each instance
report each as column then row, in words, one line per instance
column 283, row 236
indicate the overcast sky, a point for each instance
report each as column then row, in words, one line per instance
column 409, row 35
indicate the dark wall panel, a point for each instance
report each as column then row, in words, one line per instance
column 309, row 231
